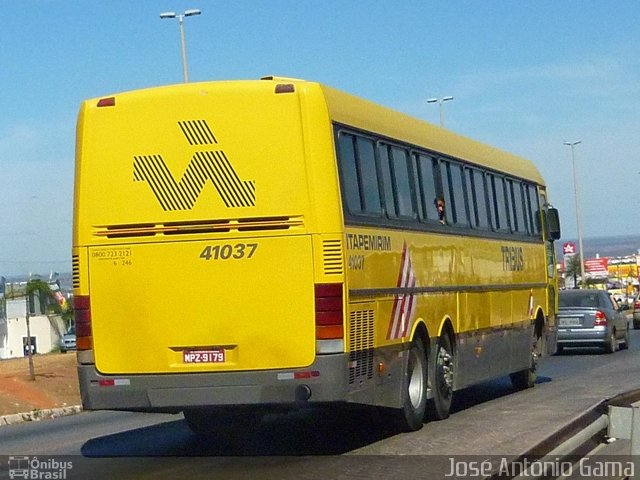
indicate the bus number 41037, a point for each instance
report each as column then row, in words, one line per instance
column 228, row 251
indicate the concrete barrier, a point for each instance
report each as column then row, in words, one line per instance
column 37, row 415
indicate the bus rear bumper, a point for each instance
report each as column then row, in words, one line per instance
column 323, row 381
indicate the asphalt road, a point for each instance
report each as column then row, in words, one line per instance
column 487, row 420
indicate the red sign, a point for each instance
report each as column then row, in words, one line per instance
column 596, row 265
column 568, row 248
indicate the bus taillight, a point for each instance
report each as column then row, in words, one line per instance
column 82, row 310
column 107, row 102
column 329, row 317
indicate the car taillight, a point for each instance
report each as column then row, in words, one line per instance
column 82, row 311
column 601, row 319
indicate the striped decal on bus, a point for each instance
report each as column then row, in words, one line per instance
column 403, row 304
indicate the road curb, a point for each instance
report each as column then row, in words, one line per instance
column 37, row 415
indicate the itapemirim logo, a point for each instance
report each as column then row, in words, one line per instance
column 204, row 166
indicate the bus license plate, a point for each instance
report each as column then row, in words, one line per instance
column 203, row 356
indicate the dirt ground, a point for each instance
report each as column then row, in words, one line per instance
column 56, row 383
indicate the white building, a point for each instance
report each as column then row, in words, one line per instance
column 46, row 331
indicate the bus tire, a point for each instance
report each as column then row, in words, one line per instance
column 414, row 388
column 442, row 374
column 526, row 378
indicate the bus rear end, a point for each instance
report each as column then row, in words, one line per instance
column 199, row 257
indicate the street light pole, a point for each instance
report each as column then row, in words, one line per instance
column 440, row 101
column 181, row 17
column 32, row 374
column 576, row 190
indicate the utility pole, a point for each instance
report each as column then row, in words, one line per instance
column 32, row 374
column 35, row 286
column 578, row 216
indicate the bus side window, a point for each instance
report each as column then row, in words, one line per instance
column 500, row 203
column 427, row 186
column 387, row 182
column 358, row 174
column 369, row 189
column 415, row 174
column 528, row 228
column 446, row 191
column 534, row 205
column 478, row 199
column 402, row 177
column 441, row 210
column 460, row 213
column 514, row 193
column 349, row 172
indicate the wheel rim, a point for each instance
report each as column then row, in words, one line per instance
column 535, row 354
column 416, row 380
column 445, row 371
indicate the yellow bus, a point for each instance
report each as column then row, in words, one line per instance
column 241, row 247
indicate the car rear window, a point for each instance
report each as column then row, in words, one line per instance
column 589, row 300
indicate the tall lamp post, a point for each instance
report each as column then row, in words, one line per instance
column 575, row 187
column 440, row 101
column 181, row 17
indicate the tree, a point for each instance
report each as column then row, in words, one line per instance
column 572, row 268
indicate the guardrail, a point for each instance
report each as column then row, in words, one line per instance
column 624, row 421
column 569, row 452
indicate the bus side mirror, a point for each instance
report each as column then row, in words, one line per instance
column 553, row 223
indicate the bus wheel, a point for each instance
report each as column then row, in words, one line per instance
column 527, row 378
column 443, row 373
column 411, row 415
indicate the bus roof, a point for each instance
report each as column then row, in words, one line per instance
column 357, row 112
column 363, row 114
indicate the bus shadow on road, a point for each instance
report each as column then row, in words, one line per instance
column 486, row 392
column 312, row 431
column 305, row 432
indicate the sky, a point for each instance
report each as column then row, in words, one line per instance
column 526, row 76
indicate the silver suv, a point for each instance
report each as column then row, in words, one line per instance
column 68, row 341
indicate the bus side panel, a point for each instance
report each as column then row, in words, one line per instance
column 464, row 281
